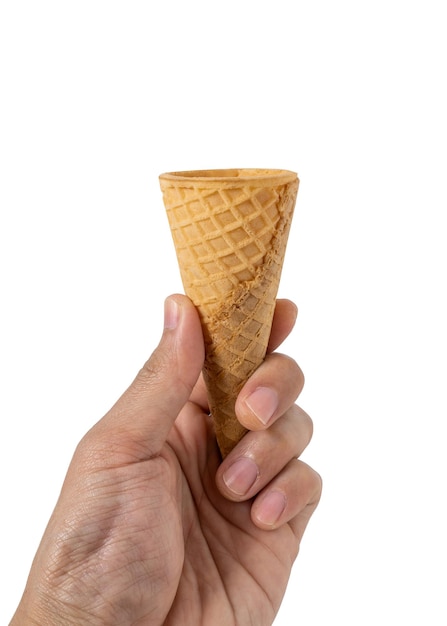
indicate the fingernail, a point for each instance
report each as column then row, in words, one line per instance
column 263, row 402
column 171, row 313
column 271, row 508
column 241, row 476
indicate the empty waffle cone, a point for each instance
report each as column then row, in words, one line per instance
column 230, row 230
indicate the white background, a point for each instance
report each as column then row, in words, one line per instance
column 97, row 99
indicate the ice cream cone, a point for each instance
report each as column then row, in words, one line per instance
column 230, row 230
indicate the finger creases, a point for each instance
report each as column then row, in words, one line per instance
column 291, row 497
column 268, row 450
column 141, row 419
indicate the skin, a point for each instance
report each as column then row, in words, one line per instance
column 151, row 527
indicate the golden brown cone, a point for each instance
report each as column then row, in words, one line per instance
column 230, row 231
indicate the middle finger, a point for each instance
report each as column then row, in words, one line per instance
column 269, row 392
column 261, row 455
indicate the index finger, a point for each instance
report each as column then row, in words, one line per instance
column 284, row 319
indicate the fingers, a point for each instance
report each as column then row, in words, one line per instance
column 260, row 457
column 264, row 466
column 284, row 320
column 139, row 423
column 273, row 387
column 291, row 497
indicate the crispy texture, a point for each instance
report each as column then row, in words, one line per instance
column 230, row 231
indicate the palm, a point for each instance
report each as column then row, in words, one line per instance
column 233, row 572
column 165, row 527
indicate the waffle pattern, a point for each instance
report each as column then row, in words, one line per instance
column 230, row 238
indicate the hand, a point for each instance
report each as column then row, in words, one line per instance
column 151, row 528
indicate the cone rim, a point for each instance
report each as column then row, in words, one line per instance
column 231, row 177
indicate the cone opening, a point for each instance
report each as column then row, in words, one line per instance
column 236, row 176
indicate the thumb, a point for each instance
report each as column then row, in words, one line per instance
column 139, row 423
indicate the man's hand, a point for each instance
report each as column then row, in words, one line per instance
column 151, row 527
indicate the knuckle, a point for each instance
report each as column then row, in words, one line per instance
column 288, row 369
column 154, row 370
column 307, row 423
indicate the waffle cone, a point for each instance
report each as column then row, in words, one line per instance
column 230, row 230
